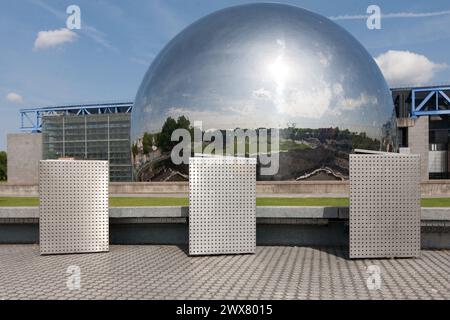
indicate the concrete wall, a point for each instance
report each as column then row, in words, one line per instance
column 334, row 234
column 281, row 187
column 418, row 142
column 429, row 188
column 24, row 152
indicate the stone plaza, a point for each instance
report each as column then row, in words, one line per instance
column 167, row 272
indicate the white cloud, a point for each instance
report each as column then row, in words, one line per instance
column 407, row 68
column 394, row 15
column 225, row 118
column 338, row 89
column 54, row 38
column 354, row 103
column 325, row 59
column 14, row 97
column 310, row 103
column 262, row 94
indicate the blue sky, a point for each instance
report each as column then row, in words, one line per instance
column 118, row 40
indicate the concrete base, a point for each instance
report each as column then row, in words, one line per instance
column 19, row 233
column 333, row 234
column 286, row 226
column 330, row 235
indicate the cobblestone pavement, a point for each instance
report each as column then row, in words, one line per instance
column 166, row 272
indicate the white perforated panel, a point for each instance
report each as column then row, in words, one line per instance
column 73, row 206
column 384, row 205
column 222, row 205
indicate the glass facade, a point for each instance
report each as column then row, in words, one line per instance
column 439, row 139
column 90, row 137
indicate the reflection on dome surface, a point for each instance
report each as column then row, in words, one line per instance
column 264, row 66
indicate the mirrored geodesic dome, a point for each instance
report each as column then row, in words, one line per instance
column 264, row 66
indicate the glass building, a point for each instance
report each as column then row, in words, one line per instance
column 90, row 137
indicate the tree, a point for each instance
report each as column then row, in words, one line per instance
column 147, row 142
column 134, row 149
column 170, row 125
column 183, row 123
column 163, row 139
column 3, row 165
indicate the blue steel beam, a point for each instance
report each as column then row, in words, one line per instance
column 435, row 108
column 442, row 93
column 31, row 118
column 432, row 113
column 428, row 97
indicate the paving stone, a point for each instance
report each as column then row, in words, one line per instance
column 166, row 272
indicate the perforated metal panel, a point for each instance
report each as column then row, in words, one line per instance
column 222, row 205
column 384, row 205
column 73, row 206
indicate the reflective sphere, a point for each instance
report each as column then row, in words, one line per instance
column 265, row 66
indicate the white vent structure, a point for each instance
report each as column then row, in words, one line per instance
column 73, row 210
column 222, row 205
column 384, row 205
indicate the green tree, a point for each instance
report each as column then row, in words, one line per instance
column 134, row 149
column 170, row 125
column 164, row 138
column 3, row 165
column 183, row 123
column 147, row 142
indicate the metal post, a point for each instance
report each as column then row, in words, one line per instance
column 437, row 100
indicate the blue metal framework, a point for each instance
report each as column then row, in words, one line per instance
column 31, row 119
column 434, row 102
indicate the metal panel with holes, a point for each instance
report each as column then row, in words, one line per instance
column 73, row 206
column 222, row 205
column 384, row 205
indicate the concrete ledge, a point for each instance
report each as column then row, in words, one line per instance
column 148, row 187
column 298, row 212
column 428, row 214
column 278, row 212
column 436, row 214
column 429, row 188
column 19, row 212
column 11, row 190
column 147, row 212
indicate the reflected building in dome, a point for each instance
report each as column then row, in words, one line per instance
column 264, row 66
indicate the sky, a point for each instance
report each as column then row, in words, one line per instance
column 43, row 63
